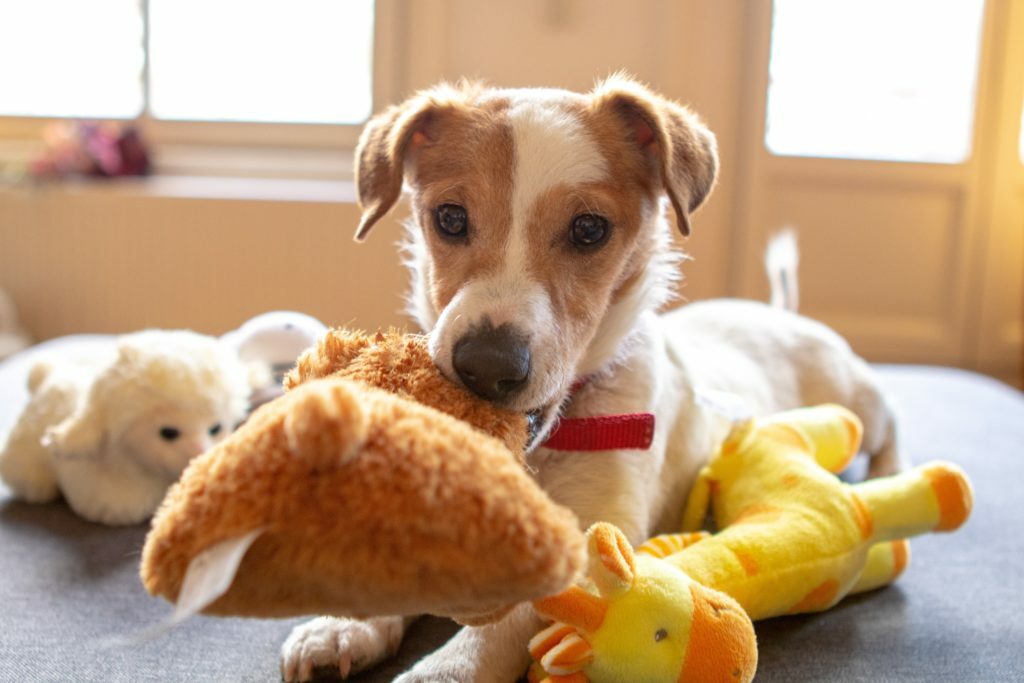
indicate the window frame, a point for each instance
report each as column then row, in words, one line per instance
column 316, row 150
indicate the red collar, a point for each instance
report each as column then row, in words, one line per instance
column 603, row 432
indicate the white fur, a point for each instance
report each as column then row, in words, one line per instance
column 640, row 361
column 91, row 429
column 417, row 260
column 648, row 293
column 552, row 148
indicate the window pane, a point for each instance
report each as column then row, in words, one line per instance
column 304, row 61
column 874, row 79
column 71, row 58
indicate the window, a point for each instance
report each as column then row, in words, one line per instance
column 281, row 61
column 54, row 66
column 873, row 79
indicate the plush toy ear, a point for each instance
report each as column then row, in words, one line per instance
column 388, row 140
column 612, row 564
column 80, row 436
column 678, row 146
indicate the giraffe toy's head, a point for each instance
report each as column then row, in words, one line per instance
column 641, row 619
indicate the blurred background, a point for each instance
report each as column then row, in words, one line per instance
column 217, row 181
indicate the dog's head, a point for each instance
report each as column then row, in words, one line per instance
column 537, row 235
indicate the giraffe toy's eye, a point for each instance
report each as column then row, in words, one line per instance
column 660, row 635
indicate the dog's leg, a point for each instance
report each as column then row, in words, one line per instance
column 495, row 653
column 347, row 645
column 881, row 435
column 887, row 460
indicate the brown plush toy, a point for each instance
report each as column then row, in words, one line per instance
column 374, row 486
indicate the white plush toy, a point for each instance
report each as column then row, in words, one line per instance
column 274, row 340
column 112, row 432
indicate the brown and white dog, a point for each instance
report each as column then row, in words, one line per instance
column 540, row 254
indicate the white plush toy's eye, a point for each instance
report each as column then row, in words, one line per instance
column 214, row 430
column 169, row 433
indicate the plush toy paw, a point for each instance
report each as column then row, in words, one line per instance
column 31, row 480
column 346, row 645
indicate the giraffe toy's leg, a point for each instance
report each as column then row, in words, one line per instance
column 886, row 561
column 934, row 497
column 669, row 544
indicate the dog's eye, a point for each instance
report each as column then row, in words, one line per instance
column 169, row 433
column 451, row 220
column 214, row 430
column 588, row 230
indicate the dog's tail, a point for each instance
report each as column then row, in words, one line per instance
column 781, row 260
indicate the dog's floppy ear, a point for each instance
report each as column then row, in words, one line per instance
column 677, row 144
column 387, row 141
column 380, row 158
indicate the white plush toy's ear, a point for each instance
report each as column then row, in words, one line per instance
column 80, row 436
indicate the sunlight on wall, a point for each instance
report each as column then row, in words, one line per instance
column 874, row 79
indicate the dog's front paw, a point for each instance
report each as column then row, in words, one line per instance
column 347, row 645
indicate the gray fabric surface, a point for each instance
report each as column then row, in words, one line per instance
column 69, row 589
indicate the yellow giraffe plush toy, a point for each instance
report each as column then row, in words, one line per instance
column 791, row 538
column 647, row 621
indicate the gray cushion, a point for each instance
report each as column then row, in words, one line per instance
column 69, row 589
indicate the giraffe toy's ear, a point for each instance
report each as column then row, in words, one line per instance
column 611, row 561
column 612, row 567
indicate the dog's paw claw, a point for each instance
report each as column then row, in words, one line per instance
column 347, row 645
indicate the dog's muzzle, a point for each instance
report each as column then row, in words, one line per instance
column 493, row 363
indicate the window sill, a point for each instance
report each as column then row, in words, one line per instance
column 209, row 172
column 204, row 187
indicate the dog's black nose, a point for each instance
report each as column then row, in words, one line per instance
column 493, row 363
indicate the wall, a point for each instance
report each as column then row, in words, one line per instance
column 95, row 260
column 207, row 255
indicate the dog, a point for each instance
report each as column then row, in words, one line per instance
column 540, row 252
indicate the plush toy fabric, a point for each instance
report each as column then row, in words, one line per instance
column 794, row 538
column 374, row 486
column 111, row 432
column 641, row 619
column 791, row 536
column 271, row 342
